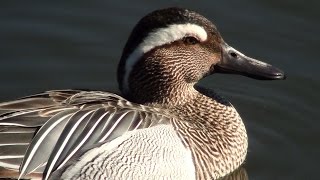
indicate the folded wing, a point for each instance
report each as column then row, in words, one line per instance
column 41, row 133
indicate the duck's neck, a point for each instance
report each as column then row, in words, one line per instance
column 166, row 92
column 214, row 132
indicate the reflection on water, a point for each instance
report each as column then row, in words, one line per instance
column 49, row 45
column 239, row 174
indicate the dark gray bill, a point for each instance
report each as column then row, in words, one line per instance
column 234, row 62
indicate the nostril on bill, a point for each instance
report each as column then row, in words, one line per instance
column 233, row 54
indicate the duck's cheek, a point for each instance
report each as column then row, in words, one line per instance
column 198, row 70
column 205, row 62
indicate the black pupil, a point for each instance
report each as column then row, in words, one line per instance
column 191, row 40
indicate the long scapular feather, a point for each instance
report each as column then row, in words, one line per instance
column 44, row 141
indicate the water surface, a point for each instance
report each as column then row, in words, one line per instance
column 51, row 45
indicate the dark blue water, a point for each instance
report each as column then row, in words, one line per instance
column 77, row 44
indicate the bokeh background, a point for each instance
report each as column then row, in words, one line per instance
column 77, row 44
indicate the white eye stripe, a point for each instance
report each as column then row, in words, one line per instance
column 160, row 37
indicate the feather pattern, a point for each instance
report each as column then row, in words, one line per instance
column 57, row 124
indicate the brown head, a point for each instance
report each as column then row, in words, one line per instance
column 170, row 50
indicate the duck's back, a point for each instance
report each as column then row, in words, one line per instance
column 19, row 122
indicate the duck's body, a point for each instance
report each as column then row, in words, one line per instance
column 164, row 128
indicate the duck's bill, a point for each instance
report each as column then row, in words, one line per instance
column 234, row 62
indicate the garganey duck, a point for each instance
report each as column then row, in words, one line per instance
column 164, row 126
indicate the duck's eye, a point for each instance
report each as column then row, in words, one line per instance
column 190, row 40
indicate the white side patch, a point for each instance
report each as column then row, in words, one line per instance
column 161, row 37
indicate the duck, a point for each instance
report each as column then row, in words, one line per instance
column 162, row 125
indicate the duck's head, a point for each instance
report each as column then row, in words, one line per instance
column 170, row 50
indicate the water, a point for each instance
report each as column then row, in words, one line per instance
column 77, row 45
